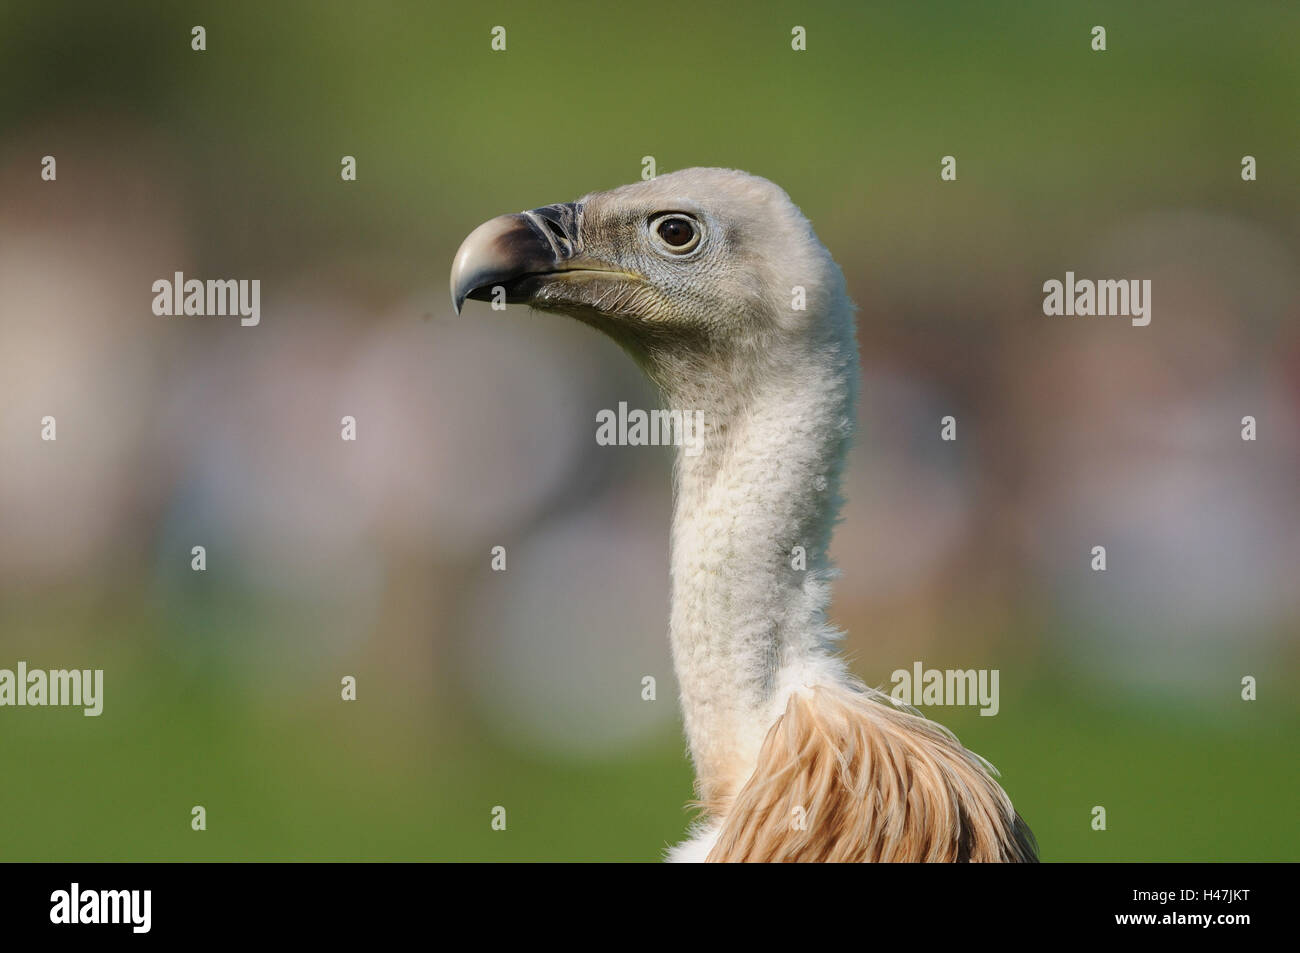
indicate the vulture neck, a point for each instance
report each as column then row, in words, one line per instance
column 752, row 520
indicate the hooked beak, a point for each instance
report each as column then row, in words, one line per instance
column 525, row 255
column 513, row 252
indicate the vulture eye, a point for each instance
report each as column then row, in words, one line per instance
column 677, row 232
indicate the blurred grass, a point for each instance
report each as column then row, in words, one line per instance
column 1048, row 134
column 397, row 777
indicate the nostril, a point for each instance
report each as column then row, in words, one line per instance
column 561, row 239
column 559, row 225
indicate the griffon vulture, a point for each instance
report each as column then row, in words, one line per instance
column 716, row 285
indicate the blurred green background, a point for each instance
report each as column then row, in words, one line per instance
column 523, row 689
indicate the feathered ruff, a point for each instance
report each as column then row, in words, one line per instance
column 844, row 775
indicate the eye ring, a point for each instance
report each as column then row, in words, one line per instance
column 676, row 232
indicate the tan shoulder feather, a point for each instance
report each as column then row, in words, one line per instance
column 845, row 777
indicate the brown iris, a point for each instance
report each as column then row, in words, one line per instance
column 676, row 231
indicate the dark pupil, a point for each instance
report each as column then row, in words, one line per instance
column 676, row 232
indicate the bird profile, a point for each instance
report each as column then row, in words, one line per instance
column 715, row 283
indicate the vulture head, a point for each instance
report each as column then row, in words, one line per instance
column 701, row 262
